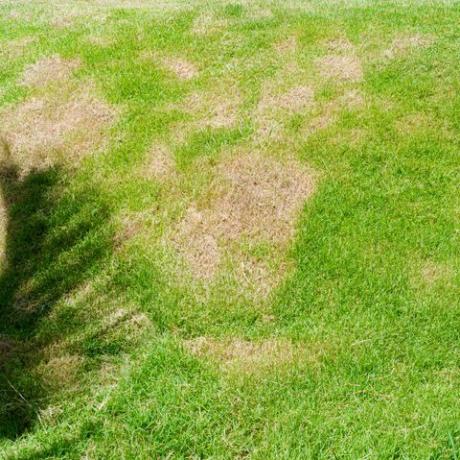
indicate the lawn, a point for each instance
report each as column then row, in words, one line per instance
column 229, row 229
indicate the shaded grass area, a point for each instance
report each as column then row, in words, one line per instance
column 53, row 245
column 373, row 296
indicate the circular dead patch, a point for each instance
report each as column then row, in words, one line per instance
column 49, row 70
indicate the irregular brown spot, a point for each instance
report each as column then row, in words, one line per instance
column 403, row 44
column 272, row 108
column 214, row 109
column 207, row 24
column 294, row 99
column 44, row 130
column 6, row 349
column 16, row 48
column 351, row 100
column 3, row 231
column 244, row 355
column 182, row 68
column 287, row 46
column 344, row 68
column 50, row 70
column 61, row 370
column 256, row 198
column 101, row 41
column 339, row 46
column 160, row 163
column 435, row 272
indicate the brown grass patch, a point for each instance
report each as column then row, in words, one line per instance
column 340, row 67
column 207, row 24
column 160, row 163
column 433, row 273
column 295, row 99
column 272, row 109
column 61, row 370
column 214, row 109
column 255, row 198
column 287, row 46
column 182, row 68
column 339, row 46
column 49, row 70
column 16, row 48
column 3, row 230
column 244, row 355
column 403, row 44
column 46, row 130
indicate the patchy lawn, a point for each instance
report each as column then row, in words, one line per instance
column 229, row 229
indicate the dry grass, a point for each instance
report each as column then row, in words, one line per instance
column 340, row 67
column 405, row 43
column 16, row 48
column 214, row 109
column 274, row 106
column 180, row 67
column 160, row 163
column 49, row 70
column 433, row 273
column 244, row 355
column 256, row 198
column 44, row 130
column 287, row 46
column 207, row 24
column 350, row 100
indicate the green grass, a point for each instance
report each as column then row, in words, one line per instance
column 372, row 298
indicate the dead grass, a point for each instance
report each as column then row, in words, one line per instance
column 160, row 163
column 405, row 43
column 340, row 67
column 182, row 68
column 56, row 128
column 61, row 370
column 273, row 108
column 49, row 70
column 214, row 109
column 3, row 230
column 207, row 24
column 433, row 273
column 255, row 198
column 295, row 99
column 329, row 112
column 16, row 48
column 244, row 355
column 339, row 46
column 287, row 46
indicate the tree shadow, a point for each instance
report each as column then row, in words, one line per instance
column 55, row 241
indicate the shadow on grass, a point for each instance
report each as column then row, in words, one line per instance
column 54, row 243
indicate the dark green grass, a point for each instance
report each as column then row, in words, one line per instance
column 388, row 380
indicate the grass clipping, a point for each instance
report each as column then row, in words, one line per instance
column 256, row 199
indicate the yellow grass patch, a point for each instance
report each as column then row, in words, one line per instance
column 182, row 68
column 61, row 370
column 49, row 70
column 160, row 163
column 207, row 24
column 273, row 107
column 3, row 230
column 16, row 48
column 433, row 273
column 55, row 128
column 340, row 67
column 214, row 109
column 406, row 43
column 254, row 198
column 287, row 46
column 244, row 355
